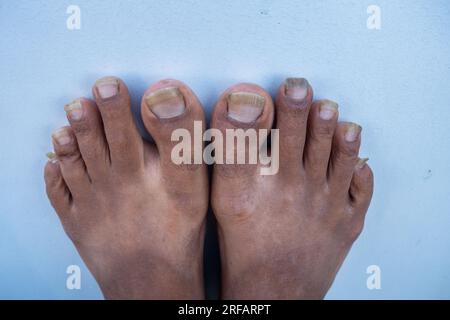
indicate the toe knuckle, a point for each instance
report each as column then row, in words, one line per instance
column 324, row 131
column 347, row 151
column 81, row 128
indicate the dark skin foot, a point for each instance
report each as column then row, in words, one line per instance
column 122, row 201
column 285, row 236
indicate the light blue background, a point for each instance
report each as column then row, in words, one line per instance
column 394, row 82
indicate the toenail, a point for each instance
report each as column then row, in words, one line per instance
column 328, row 110
column 166, row 103
column 107, row 87
column 62, row 137
column 361, row 163
column 74, row 110
column 352, row 133
column 52, row 157
column 296, row 88
column 245, row 106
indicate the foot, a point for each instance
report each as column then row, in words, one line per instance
column 285, row 236
column 122, row 201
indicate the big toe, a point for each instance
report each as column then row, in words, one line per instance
column 242, row 119
column 174, row 116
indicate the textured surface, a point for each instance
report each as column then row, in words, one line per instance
column 393, row 81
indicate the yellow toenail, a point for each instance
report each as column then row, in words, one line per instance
column 245, row 106
column 328, row 109
column 166, row 102
column 74, row 110
column 107, row 87
column 361, row 163
column 352, row 133
column 296, row 88
column 62, row 136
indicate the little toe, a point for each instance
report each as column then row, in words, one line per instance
column 344, row 156
column 124, row 141
column 86, row 123
column 71, row 163
column 321, row 126
column 361, row 187
column 293, row 103
column 56, row 188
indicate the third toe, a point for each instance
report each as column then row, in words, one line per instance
column 344, row 155
column 322, row 122
column 86, row 123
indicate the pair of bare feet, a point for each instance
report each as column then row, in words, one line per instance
column 138, row 220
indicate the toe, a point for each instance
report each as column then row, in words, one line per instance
column 72, row 165
column 124, row 142
column 175, row 119
column 245, row 110
column 321, row 125
column 293, row 102
column 361, row 187
column 57, row 191
column 86, row 122
column 344, row 156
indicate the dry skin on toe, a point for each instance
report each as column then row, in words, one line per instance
column 125, row 207
column 285, row 236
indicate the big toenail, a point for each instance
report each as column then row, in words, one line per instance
column 74, row 110
column 328, row 110
column 361, row 163
column 107, row 87
column 352, row 133
column 245, row 106
column 166, row 103
column 296, row 88
column 62, row 137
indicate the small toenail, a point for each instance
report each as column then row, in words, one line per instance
column 74, row 110
column 328, row 110
column 166, row 103
column 296, row 88
column 245, row 106
column 62, row 137
column 51, row 156
column 107, row 87
column 352, row 133
column 361, row 163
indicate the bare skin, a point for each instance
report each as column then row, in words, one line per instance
column 285, row 236
column 136, row 219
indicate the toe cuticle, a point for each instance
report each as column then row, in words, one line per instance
column 352, row 133
column 107, row 87
column 361, row 163
column 245, row 107
column 328, row 109
column 166, row 103
column 74, row 110
column 62, row 137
